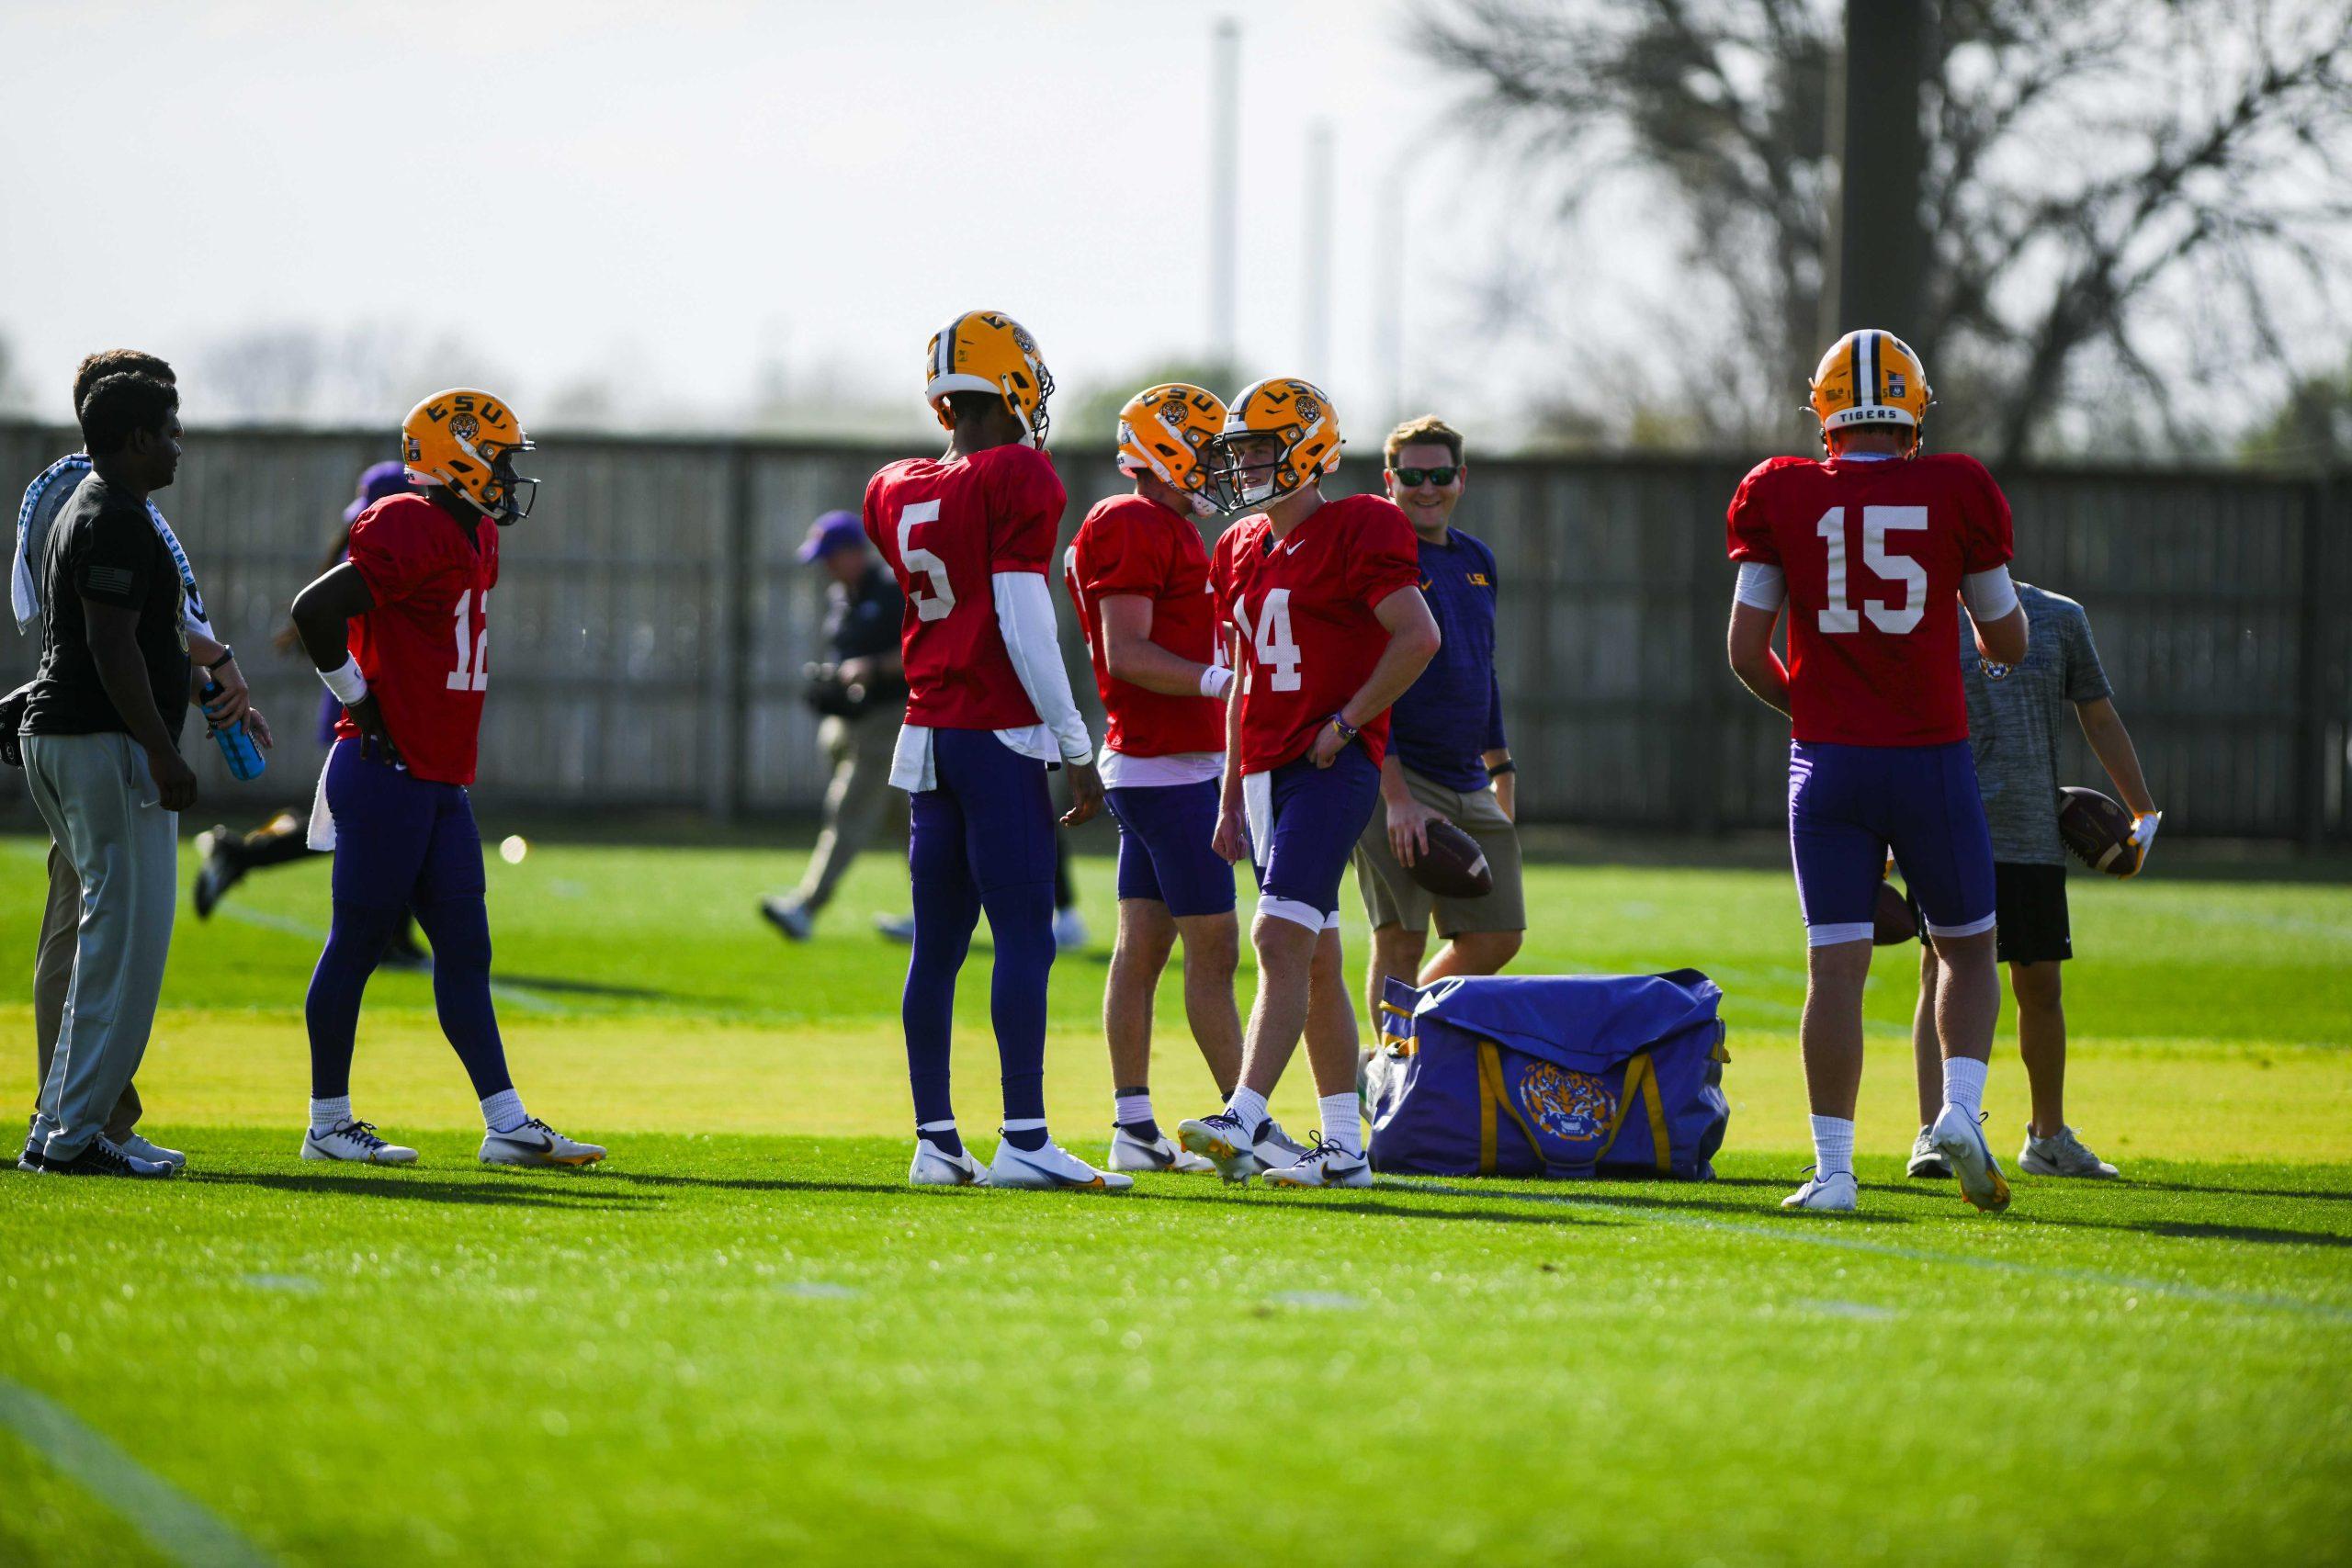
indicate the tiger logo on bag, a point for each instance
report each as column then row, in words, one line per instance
column 1572, row 1106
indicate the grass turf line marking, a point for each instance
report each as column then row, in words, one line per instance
column 527, row 1000
column 1805, row 1235
column 182, row 1528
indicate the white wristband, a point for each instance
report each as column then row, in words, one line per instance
column 1216, row 679
column 348, row 683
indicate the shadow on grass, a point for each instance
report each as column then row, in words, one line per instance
column 2196, row 1230
column 2135, row 1184
column 509, row 1190
column 561, row 986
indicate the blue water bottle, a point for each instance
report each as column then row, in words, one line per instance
column 244, row 757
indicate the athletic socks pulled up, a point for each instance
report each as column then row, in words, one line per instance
column 1248, row 1107
column 1833, row 1147
column 1965, row 1085
column 328, row 1115
column 1131, row 1108
column 503, row 1112
column 1343, row 1121
column 941, row 1135
column 1028, row 1133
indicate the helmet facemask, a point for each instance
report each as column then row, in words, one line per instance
column 1253, row 468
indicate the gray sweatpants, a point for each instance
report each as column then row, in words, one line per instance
column 859, row 749
column 95, row 792
column 61, row 925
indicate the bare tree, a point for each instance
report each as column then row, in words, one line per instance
column 2142, row 192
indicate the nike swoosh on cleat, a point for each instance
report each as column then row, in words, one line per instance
column 1059, row 1180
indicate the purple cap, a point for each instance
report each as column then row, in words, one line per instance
column 377, row 481
column 834, row 531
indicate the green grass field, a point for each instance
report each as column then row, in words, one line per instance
column 742, row 1339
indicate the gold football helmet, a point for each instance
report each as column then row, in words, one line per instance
column 1280, row 434
column 466, row 440
column 1871, row 378
column 1165, row 431
column 988, row 350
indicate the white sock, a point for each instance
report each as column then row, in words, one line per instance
column 948, row 1126
column 503, row 1112
column 1250, row 1106
column 1131, row 1110
column 327, row 1115
column 1833, row 1147
column 1965, row 1085
column 1343, row 1121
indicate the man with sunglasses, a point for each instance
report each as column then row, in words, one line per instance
column 1448, row 760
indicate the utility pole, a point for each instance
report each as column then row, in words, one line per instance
column 1316, row 311
column 1881, row 254
column 1225, row 178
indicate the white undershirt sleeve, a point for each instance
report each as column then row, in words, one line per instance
column 1761, row 586
column 1989, row 594
column 1024, row 615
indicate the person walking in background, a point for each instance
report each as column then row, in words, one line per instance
column 861, row 691
column 45, row 499
column 2015, row 712
column 101, row 732
column 227, row 855
column 1447, row 757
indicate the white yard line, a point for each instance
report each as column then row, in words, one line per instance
column 178, row 1526
column 1824, row 1234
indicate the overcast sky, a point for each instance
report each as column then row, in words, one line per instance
column 684, row 193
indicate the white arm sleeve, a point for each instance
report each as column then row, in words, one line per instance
column 1761, row 587
column 1989, row 594
column 1024, row 614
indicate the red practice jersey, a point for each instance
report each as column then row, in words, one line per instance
column 948, row 526
column 425, row 646
column 1873, row 553
column 1303, row 606
column 1130, row 545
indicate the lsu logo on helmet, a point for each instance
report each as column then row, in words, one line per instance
column 1280, row 434
column 988, row 350
column 1871, row 378
column 1165, row 431
column 466, row 440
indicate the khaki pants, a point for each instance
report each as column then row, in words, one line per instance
column 1391, row 896
column 95, row 792
column 52, row 969
column 860, row 751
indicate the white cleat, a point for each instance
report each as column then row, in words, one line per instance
column 2062, row 1153
column 536, row 1142
column 1828, row 1194
column 1052, row 1169
column 1238, row 1152
column 1326, row 1165
column 1131, row 1153
column 1069, row 931
column 1927, row 1160
column 934, row 1167
column 1961, row 1142
column 354, row 1141
column 138, row 1147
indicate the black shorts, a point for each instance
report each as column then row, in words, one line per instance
column 2030, row 914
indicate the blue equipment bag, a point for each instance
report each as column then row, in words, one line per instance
column 1551, row 1075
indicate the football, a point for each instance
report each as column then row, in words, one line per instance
column 1453, row 866
column 1891, row 922
column 2098, row 831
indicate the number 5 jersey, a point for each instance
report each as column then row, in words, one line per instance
column 1873, row 552
column 425, row 646
column 1304, row 607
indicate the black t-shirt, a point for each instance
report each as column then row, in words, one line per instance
column 864, row 621
column 105, row 549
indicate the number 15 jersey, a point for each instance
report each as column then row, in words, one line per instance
column 1303, row 606
column 948, row 526
column 425, row 646
column 1873, row 552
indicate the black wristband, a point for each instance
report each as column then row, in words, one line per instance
column 227, row 653
column 1499, row 769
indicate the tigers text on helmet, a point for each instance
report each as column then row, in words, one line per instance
column 988, row 350
column 467, row 439
column 1288, row 433
column 1871, row 378
column 1165, row 431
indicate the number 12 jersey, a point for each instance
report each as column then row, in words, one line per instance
column 1873, row 552
column 425, row 646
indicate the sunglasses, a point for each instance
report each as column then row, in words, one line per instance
column 1437, row 477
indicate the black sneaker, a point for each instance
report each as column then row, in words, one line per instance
column 222, row 871
column 99, row 1157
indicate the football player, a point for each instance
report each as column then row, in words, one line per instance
column 399, row 632
column 969, row 535
column 1328, row 627
column 1138, row 574
column 1873, row 550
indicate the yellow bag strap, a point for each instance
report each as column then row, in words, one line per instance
column 1496, row 1093
column 1388, row 1037
column 1641, row 1082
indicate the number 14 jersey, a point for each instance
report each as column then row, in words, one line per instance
column 1303, row 606
column 1873, row 553
column 425, row 646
